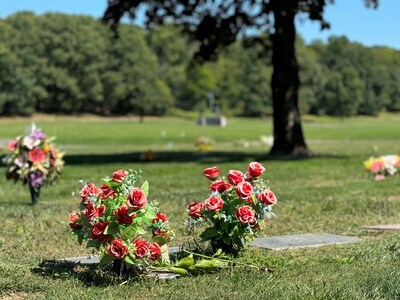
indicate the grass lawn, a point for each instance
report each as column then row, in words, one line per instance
column 330, row 193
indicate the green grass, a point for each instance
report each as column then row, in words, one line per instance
column 327, row 194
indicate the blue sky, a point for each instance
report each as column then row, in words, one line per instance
column 347, row 17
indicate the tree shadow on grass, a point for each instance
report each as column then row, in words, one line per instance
column 182, row 156
column 89, row 274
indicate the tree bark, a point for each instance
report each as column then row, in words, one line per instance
column 288, row 134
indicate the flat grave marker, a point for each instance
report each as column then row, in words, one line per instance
column 384, row 227
column 302, row 241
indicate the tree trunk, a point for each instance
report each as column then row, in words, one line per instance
column 288, row 134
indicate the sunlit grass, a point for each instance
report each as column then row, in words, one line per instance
column 326, row 194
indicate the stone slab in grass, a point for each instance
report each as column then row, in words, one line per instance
column 82, row 260
column 302, row 241
column 384, row 227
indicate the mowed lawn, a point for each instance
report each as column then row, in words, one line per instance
column 329, row 193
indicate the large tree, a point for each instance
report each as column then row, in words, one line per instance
column 218, row 23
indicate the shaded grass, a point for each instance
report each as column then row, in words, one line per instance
column 328, row 194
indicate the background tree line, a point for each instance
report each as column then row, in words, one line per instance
column 57, row 63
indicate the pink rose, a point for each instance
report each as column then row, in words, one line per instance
column 379, row 177
column 267, row 197
column 211, row 173
column 220, row 186
column 107, row 192
column 196, row 209
column 214, row 203
column 88, row 191
column 377, row 166
column 36, row 155
column 155, row 251
column 255, row 169
column 12, row 145
column 245, row 214
column 160, row 218
column 119, row 176
column 98, row 232
column 141, row 248
column 137, row 199
column 123, row 216
column 244, row 189
column 117, row 249
column 235, row 177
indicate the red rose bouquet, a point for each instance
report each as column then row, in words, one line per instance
column 117, row 220
column 34, row 160
column 236, row 209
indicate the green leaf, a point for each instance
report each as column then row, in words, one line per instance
column 204, row 264
column 179, row 271
column 129, row 232
column 106, row 259
column 219, row 251
column 193, row 270
column 129, row 260
column 94, row 244
column 226, row 239
column 209, row 233
column 185, row 262
column 80, row 237
column 112, row 228
column 145, row 188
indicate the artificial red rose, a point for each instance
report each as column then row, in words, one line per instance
column 155, row 251
column 73, row 219
column 36, row 155
column 267, row 197
column 211, row 173
column 119, row 176
column 161, row 231
column 160, row 218
column 117, row 249
column 98, row 232
column 141, row 248
column 245, row 214
column 255, row 169
column 91, row 211
column 137, row 199
column 88, row 191
column 220, row 186
column 12, row 145
column 244, row 189
column 235, row 177
column 196, row 209
column 214, row 203
column 107, row 192
column 123, row 216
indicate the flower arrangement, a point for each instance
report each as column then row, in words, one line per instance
column 204, row 144
column 34, row 160
column 383, row 166
column 236, row 209
column 117, row 220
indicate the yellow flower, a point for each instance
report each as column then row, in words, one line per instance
column 368, row 163
column 46, row 147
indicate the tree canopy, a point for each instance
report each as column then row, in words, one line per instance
column 217, row 24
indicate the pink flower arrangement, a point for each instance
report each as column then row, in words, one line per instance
column 383, row 166
column 119, row 222
column 236, row 209
column 33, row 159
